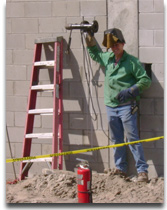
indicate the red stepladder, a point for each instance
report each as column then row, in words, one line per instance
column 57, row 110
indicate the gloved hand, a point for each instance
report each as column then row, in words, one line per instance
column 128, row 93
column 90, row 40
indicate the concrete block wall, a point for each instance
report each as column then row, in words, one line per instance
column 151, row 50
column 27, row 20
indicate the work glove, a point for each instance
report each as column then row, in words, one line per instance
column 127, row 94
column 90, row 40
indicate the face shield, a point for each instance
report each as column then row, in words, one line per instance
column 111, row 37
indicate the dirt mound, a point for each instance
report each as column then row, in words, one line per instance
column 61, row 187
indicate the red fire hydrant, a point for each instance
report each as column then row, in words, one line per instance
column 84, row 180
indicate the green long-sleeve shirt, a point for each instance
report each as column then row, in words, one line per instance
column 125, row 74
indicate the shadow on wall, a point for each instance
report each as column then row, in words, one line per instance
column 81, row 123
column 150, row 120
column 152, row 125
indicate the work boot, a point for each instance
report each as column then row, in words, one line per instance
column 119, row 172
column 142, row 177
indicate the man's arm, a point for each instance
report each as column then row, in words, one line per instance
column 95, row 53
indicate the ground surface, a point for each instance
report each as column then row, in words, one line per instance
column 61, row 187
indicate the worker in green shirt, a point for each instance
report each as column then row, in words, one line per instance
column 125, row 80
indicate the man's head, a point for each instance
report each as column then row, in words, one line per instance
column 112, row 37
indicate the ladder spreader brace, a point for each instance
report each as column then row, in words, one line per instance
column 56, row 110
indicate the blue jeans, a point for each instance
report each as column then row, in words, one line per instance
column 122, row 121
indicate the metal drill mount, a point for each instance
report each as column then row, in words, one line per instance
column 85, row 26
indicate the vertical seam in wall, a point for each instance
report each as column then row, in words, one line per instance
column 106, row 14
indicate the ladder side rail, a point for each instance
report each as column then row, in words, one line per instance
column 31, row 105
column 61, row 106
column 55, row 107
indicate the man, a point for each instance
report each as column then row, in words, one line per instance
column 125, row 80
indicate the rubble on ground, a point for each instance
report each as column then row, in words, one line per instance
column 61, row 187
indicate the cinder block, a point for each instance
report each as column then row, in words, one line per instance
column 72, row 137
column 159, row 106
column 146, row 106
column 29, row 39
column 8, row 153
column 146, row 6
column 65, row 121
column 9, row 57
column 20, row 120
column 15, row 9
column 158, row 72
column 151, row 54
column 102, row 122
column 23, row 57
column 24, row 25
column 44, row 102
column 93, row 8
column 103, row 156
column 15, row 72
column 52, row 25
column 151, row 158
column 38, row 9
column 8, row 25
column 147, row 135
column 155, row 90
column 151, row 123
column 159, row 38
column 146, row 38
column 46, row 149
column 91, row 157
column 14, row 103
column 155, row 171
column 72, row 20
column 59, row 8
column 151, row 21
column 73, row 8
column 16, row 134
column 21, row 88
column 95, row 138
column 98, row 104
column 159, row 6
column 78, row 89
column 47, row 121
column 102, row 20
column 18, row 150
column 80, row 121
column 73, row 105
column 70, row 74
column 15, row 41
column 9, row 88
column 10, row 118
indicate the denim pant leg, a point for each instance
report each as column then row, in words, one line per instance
column 131, row 130
column 117, row 136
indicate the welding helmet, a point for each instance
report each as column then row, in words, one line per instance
column 112, row 36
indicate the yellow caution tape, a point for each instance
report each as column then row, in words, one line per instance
column 82, row 150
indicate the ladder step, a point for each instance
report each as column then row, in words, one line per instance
column 39, row 135
column 49, row 159
column 41, row 111
column 42, row 87
column 45, row 63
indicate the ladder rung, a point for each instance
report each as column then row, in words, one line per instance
column 49, row 159
column 41, row 111
column 42, row 87
column 39, row 135
column 45, row 63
